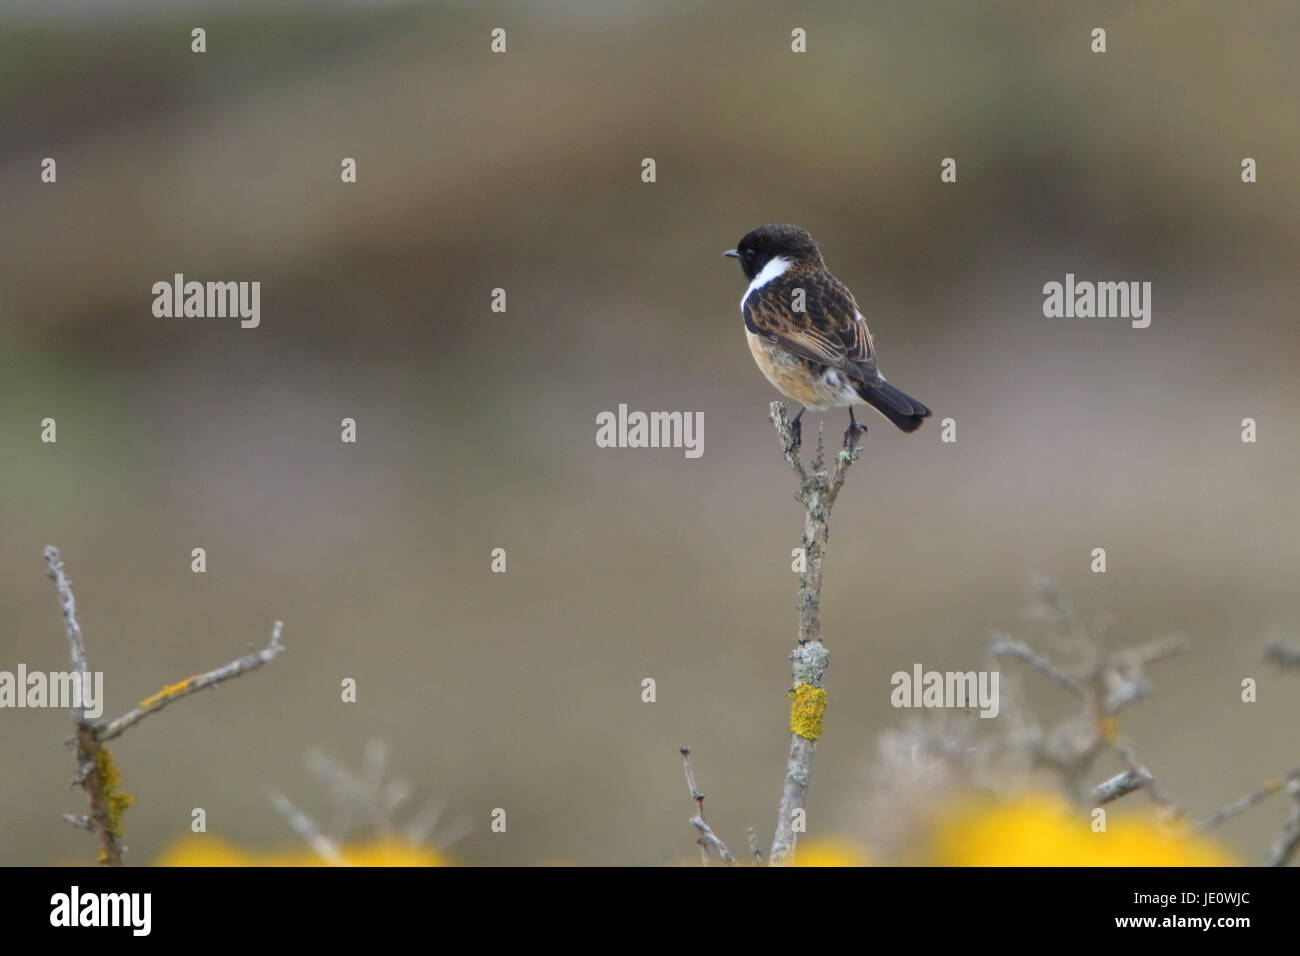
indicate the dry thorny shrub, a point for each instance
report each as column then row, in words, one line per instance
column 944, row 755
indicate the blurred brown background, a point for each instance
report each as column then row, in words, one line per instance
column 476, row 430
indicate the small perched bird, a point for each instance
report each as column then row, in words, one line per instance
column 807, row 333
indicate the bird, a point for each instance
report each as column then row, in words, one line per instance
column 806, row 332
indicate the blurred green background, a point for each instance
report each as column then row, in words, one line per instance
column 476, row 430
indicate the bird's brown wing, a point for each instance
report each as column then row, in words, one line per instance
column 830, row 331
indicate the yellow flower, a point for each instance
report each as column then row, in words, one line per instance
column 201, row 850
column 1043, row 830
column 829, row 852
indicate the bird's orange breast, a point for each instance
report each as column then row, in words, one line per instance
column 793, row 377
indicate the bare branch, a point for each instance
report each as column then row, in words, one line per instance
column 1245, row 802
column 1005, row 646
column 755, row 850
column 306, row 828
column 708, row 839
column 364, row 802
column 817, row 492
column 1288, row 838
column 1153, row 789
column 192, row 685
column 1104, row 682
column 1121, row 785
column 1153, row 651
column 789, row 440
column 68, row 604
column 97, row 774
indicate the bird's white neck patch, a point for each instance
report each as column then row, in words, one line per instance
column 774, row 268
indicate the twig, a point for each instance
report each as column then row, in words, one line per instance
column 306, row 828
column 817, row 492
column 68, row 604
column 1004, row 646
column 1287, row 840
column 192, row 685
column 1121, row 785
column 707, row 837
column 1244, row 803
column 1123, row 673
column 365, row 801
column 1103, row 684
column 697, row 797
column 96, row 772
column 369, row 794
column 1288, row 837
column 1154, row 791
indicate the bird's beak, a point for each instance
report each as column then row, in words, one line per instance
column 732, row 253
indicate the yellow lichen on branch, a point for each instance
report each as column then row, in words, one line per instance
column 169, row 691
column 1109, row 729
column 110, row 803
column 807, row 708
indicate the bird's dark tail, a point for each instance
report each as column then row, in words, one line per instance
column 901, row 409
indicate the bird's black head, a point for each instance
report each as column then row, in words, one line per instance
column 765, row 243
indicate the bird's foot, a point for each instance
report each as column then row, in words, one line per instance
column 853, row 434
column 796, row 429
column 796, row 435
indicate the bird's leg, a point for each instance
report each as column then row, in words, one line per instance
column 855, row 431
column 796, row 429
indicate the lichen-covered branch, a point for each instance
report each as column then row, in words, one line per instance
column 96, row 773
column 1287, row 840
column 1245, row 802
column 818, row 489
column 1103, row 682
column 192, row 685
